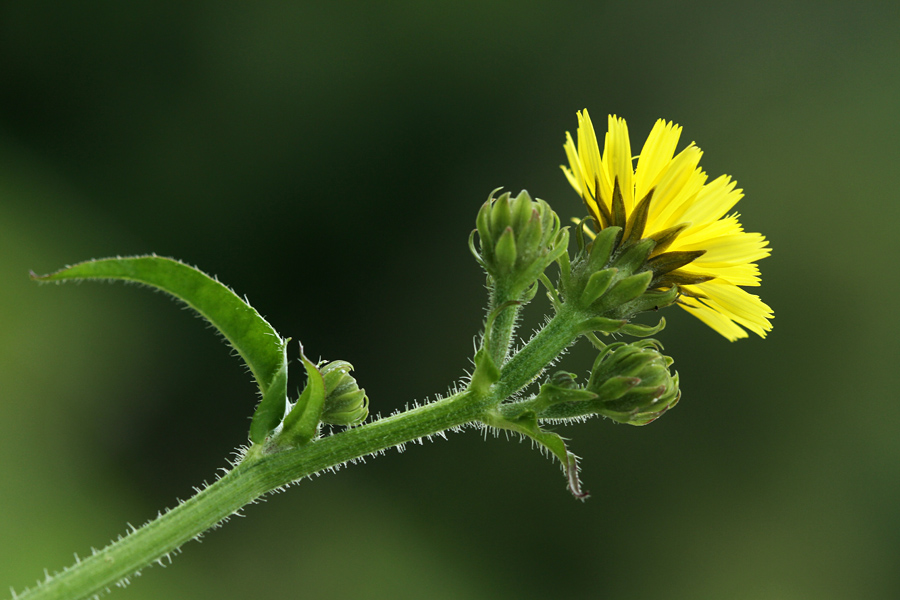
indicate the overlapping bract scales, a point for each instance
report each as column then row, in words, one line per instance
column 681, row 196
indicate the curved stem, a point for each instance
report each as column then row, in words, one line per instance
column 255, row 476
column 261, row 472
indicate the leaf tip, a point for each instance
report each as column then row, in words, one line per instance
column 39, row 278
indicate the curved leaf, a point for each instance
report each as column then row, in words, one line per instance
column 254, row 339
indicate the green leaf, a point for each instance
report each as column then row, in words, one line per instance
column 254, row 339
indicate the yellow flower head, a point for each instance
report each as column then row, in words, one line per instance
column 666, row 197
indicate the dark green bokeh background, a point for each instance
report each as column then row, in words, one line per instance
column 328, row 161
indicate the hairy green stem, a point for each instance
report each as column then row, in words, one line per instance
column 542, row 349
column 263, row 471
column 255, row 476
column 503, row 325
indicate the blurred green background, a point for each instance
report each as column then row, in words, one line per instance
column 327, row 160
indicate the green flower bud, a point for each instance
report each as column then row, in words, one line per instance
column 345, row 403
column 633, row 383
column 563, row 380
column 518, row 239
column 630, row 383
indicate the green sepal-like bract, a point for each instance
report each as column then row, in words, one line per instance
column 632, row 258
column 302, row 422
column 597, row 284
column 617, row 386
column 626, row 290
column 652, row 300
column 270, row 411
column 505, row 253
column 252, row 337
column 638, row 330
column 485, row 374
column 526, row 423
column 559, row 389
column 601, row 248
column 611, row 279
column 601, row 324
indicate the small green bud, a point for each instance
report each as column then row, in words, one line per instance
column 518, row 239
column 564, row 380
column 345, row 403
column 630, row 383
column 633, row 383
column 561, row 389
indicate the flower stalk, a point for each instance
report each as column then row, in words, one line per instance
column 518, row 239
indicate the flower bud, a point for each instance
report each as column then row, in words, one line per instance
column 633, row 383
column 563, row 380
column 518, row 239
column 345, row 403
column 630, row 383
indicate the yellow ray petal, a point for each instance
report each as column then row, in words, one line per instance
column 658, row 150
column 617, row 160
column 729, row 250
column 712, row 202
column 679, row 182
column 737, row 304
column 717, row 321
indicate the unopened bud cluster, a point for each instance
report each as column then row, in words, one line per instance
column 518, row 239
column 345, row 403
column 331, row 396
column 629, row 383
column 633, row 382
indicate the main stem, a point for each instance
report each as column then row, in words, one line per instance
column 260, row 473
